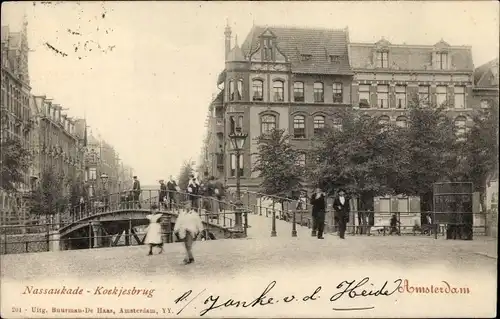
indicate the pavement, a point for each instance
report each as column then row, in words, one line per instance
column 240, row 269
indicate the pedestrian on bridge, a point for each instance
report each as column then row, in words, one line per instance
column 153, row 233
column 136, row 192
column 187, row 227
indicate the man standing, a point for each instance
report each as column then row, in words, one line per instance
column 193, row 187
column 342, row 209
column 136, row 192
column 172, row 189
column 162, row 200
column 318, row 212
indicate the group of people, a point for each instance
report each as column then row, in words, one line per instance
column 340, row 206
column 188, row 227
column 208, row 192
column 168, row 193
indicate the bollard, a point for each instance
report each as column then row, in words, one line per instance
column 246, row 222
column 434, row 225
column 294, row 227
column 273, row 229
column 48, row 235
column 399, row 223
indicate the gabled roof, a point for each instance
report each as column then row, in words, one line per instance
column 410, row 57
column 486, row 75
column 294, row 42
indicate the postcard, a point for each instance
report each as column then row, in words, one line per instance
column 249, row 159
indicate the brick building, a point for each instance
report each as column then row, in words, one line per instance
column 298, row 78
column 15, row 119
column 56, row 142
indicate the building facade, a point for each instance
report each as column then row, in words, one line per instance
column 298, row 79
column 387, row 77
column 286, row 78
column 55, row 142
column 15, row 119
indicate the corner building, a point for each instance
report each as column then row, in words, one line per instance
column 284, row 78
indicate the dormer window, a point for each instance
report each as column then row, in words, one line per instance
column 442, row 60
column 268, row 48
column 305, row 57
column 335, row 58
column 382, row 59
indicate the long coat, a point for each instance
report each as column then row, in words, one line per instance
column 342, row 210
column 318, row 205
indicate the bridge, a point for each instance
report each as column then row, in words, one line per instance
column 117, row 220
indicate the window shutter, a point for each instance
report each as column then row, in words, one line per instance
column 394, row 204
column 414, row 204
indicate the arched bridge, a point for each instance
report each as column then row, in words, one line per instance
column 120, row 219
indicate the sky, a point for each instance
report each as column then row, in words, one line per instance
column 148, row 73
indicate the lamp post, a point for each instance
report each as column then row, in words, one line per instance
column 104, row 179
column 238, row 140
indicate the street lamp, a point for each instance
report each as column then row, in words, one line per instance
column 238, row 140
column 104, row 179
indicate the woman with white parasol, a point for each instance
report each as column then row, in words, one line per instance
column 187, row 228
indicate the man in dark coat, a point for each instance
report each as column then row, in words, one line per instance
column 172, row 190
column 318, row 202
column 136, row 191
column 342, row 209
column 162, row 197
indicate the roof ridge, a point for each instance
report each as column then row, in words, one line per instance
column 300, row 28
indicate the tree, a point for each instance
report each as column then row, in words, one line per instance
column 361, row 158
column 278, row 165
column 481, row 151
column 48, row 199
column 186, row 171
column 15, row 160
column 430, row 147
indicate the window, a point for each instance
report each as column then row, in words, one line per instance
column 337, row 124
column 232, row 124
column 441, row 95
column 233, row 165
column 298, row 91
column 240, row 121
column 485, row 104
column 400, row 96
column 92, row 173
column 423, row 94
column 319, row 95
column 257, row 88
column 299, row 126
column 268, row 123
column 268, row 49
column 460, row 127
column 364, row 95
column 383, row 96
column 301, row 160
column 278, row 88
column 382, row 59
column 459, row 97
column 239, row 91
column 401, row 121
column 442, row 61
column 231, row 90
column 337, row 92
column 335, row 58
column 319, row 124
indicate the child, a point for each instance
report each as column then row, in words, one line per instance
column 153, row 234
column 187, row 227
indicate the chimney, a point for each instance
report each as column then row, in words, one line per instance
column 227, row 34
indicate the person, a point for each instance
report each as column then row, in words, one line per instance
column 187, row 228
column 172, row 189
column 153, row 233
column 193, row 187
column 394, row 225
column 162, row 196
column 219, row 193
column 342, row 209
column 136, row 192
column 318, row 212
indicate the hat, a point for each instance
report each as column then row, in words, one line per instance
column 161, row 181
column 135, row 177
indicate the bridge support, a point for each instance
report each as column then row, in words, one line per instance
column 98, row 235
column 54, row 240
